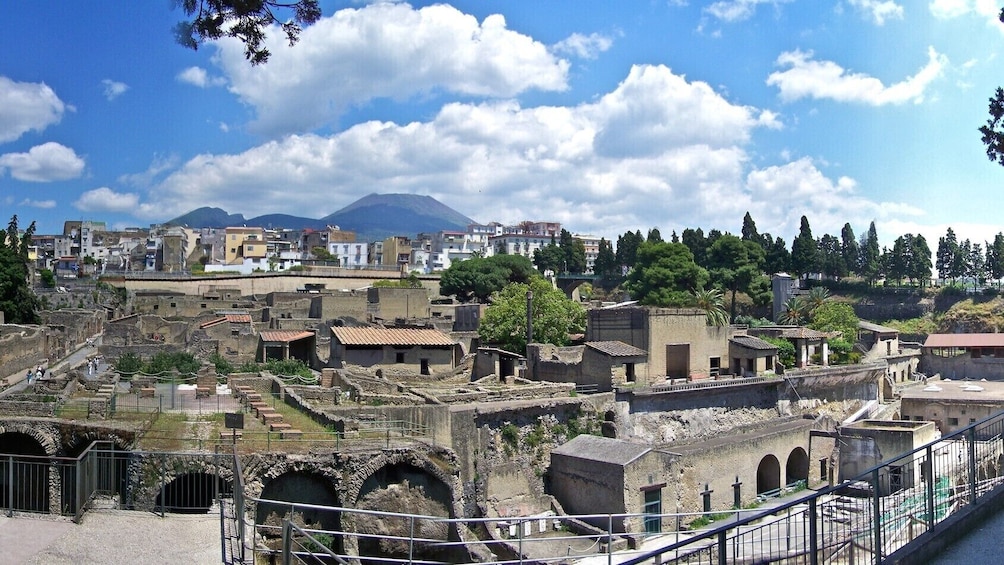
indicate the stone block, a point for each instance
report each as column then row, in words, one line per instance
column 270, row 417
column 279, row 426
column 291, row 434
column 147, row 392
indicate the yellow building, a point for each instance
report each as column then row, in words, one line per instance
column 244, row 243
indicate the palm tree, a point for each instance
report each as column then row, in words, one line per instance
column 816, row 297
column 793, row 312
column 712, row 301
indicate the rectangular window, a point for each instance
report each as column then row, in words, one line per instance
column 953, row 421
column 399, row 357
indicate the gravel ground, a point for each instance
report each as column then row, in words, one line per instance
column 112, row 537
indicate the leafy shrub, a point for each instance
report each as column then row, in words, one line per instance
column 785, row 350
column 223, row 365
column 510, row 434
column 128, row 364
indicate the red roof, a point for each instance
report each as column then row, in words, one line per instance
column 211, row 323
column 285, row 335
column 239, row 318
column 390, row 336
column 965, row 340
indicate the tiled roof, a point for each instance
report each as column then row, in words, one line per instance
column 750, row 342
column 868, row 326
column 239, row 318
column 603, row 449
column 211, row 323
column 616, row 348
column 390, row 336
column 284, row 335
column 800, row 332
column 964, row 340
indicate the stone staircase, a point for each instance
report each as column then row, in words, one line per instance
column 261, row 410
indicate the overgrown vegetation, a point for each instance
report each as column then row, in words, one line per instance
column 162, row 363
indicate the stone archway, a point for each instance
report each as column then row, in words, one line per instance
column 24, row 474
column 797, row 466
column 406, row 482
column 192, row 493
column 304, row 487
column 768, row 474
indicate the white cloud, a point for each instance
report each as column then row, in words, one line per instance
column 808, row 78
column 197, row 76
column 584, row 46
column 105, row 199
column 43, row 163
column 44, row 204
column 386, row 51
column 26, row 106
column 879, row 10
column 656, row 151
column 738, row 10
column 160, row 165
column 949, row 9
column 114, row 89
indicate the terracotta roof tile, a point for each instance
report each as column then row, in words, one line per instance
column 750, row 342
column 616, row 348
column 965, row 340
column 285, row 335
column 391, row 336
column 239, row 318
column 211, row 323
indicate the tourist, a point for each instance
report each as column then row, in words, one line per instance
column 28, row 376
column 38, row 374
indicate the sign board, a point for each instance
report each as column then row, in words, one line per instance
column 234, row 420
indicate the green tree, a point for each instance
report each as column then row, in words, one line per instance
column 549, row 258
column 554, row 316
column 733, row 264
column 654, row 236
column 605, row 264
column 627, row 248
column 477, row 278
column 245, row 20
column 17, row 301
column 834, row 316
column 831, row 257
column 793, row 312
column 697, row 244
column 948, row 249
column 871, row 255
column 573, row 253
column 778, row 258
column 993, row 130
column 712, row 302
column 785, row 350
column 920, row 268
column 818, row 295
column 849, row 248
column 995, row 258
column 749, row 232
column 665, row 274
column 804, row 252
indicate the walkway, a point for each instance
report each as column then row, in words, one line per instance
column 76, row 359
column 982, row 545
column 111, row 537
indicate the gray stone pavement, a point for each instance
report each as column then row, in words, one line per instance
column 76, row 359
column 981, row 545
column 112, row 537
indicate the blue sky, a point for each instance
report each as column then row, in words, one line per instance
column 605, row 116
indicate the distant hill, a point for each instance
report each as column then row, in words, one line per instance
column 374, row 217
column 379, row 216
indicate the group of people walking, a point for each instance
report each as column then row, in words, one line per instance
column 35, row 375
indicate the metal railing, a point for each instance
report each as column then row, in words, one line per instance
column 130, row 480
column 863, row 520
